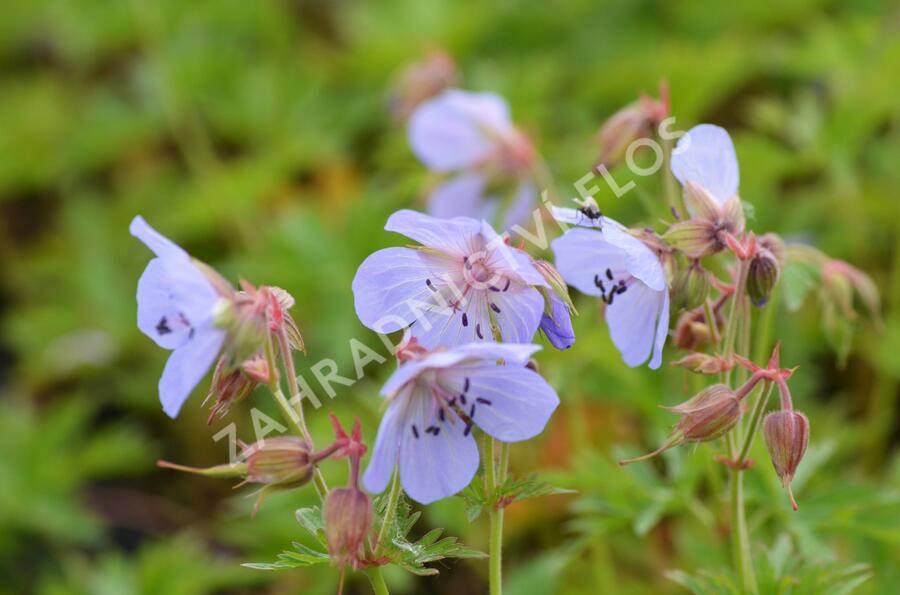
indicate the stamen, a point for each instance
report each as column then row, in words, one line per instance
column 466, row 385
column 506, row 287
column 163, row 326
column 468, row 429
column 495, row 307
column 472, row 411
column 430, row 285
column 441, row 414
column 478, row 331
column 465, row 319
column 483, row 400
column 415, row 431
column 462, row 399
column 609, row 274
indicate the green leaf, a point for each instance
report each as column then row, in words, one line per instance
column 412, row 556
column 301, row 556
column 512, row 490
column 311, row 520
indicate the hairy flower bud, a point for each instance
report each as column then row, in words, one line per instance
column 704, row 363
column 347, row 515
column 708, row 415
column 691, row 286
column 244, row 319
column 420, row 81
column 232, row 385
column 786, row 435
column 762, row 276
column 631, row 123
column 710, row 225
column 282, row 461
column 692, row 330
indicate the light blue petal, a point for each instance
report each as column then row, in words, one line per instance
column 453, row 237
column 632, row 321
column 387, row 445
column 458, row 129
column 518, row 313
column 662, row 332
column 705, row 155
column 391, row 288
column 435, row 466
column 187, row 366
column 161, row 245
column 509, row 402
column 462, row 196
column 581, row 254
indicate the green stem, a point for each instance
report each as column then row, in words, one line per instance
column 670, row 187
column 756, row 417
column 740, row 536
column 377, row 580
column 287, row 359
column 731, row 325
column 496, row 552
column 389, row 512
column 711, row 323
column 495, row 568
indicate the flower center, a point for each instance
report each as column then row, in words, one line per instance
column 612, row 283
column 448, row 405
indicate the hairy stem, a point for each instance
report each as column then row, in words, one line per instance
column 756, row 417
column 495, row 564
column 377, row 580
column 740, row 536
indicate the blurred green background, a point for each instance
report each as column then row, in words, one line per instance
column 256, row 135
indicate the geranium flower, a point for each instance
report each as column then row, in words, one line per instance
column 177, row 304
column 472, row 135
column 704, row 162
column 629, row 277
column 435, row 401
column 463, row 284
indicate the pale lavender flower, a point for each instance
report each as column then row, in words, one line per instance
column 435, row 401
column 472, row 137
column 705, row 156
column 614, row 265
column 460, row 286
column 176, row 308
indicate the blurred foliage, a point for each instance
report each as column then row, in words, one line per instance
column 256, row 135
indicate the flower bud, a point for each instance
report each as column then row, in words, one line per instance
column 282, row 461
column 786, row 434
column 692, row 330
column 631, row 123
column 691, row 286
column 420, row 81
column 244, row 319
column 706, row 416
column 703, row 363
column 762, row 277
column 232, row 385
column 279, row 317
column 710, row 225
column 348, row 519
column 774, row 244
